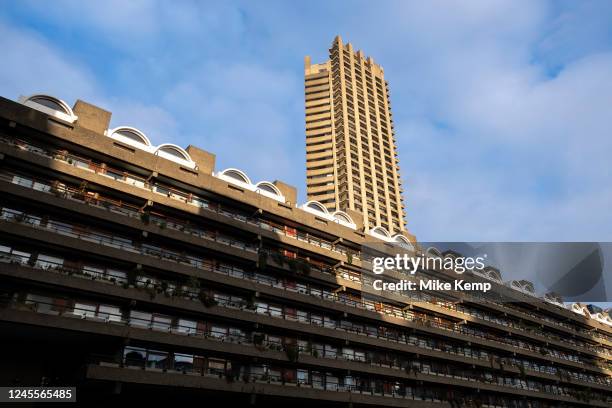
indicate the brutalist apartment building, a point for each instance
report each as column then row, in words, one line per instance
column 137, row 271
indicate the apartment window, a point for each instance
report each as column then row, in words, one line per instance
column 157, row 359
column 109, row 313
column 134, row 356
column 84, row 310
column 216, row 366
column 13, row 254
column 330, row 351
column 302, row 316
column 43, row 304
column 183, row 362
column 141, row 319
column 329, row 322
column 187, row 326
column 218, row 332
column 302, row 377
column 161, row 322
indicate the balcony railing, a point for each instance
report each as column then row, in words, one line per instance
column 126, row 209
column 416, row 367
column 190, row 293
column 185, row 197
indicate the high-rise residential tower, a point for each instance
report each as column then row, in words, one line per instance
column 351, row 155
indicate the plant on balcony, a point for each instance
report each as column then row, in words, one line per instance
column 309, row 348
column 349, row 258
column 131, row 277
column 250, row 303
column 522, row 370
column 151, row 290
column 178, row 291
column 262, row 260
column 162, row 224
column 293, row 266
column 501, row 362
column 164, row 288
column 278, row 258
column 305, row 267
column 193, row 282
column 207, row 300
column 258, row 339
column 145, row 217
column 292, row 353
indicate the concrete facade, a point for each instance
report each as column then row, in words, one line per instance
column 351, row 153
column 125, row 272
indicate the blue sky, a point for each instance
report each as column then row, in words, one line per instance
column 503, row 109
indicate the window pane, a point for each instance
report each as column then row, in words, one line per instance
column 162, row 323
column 134, row 356
column 183, row 362
column 48, row 262
column 140, row 318
column 84, row 310
column 187, row 326
column 110, row 313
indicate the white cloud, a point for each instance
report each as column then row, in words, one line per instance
column 30, row 64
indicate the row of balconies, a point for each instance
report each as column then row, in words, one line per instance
column 76, row 161
column 122, row 243
column 184, row 326
column 121, row 278
column 185, row 197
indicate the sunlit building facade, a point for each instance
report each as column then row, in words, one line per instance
column 351, row 153
column 132, row 270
